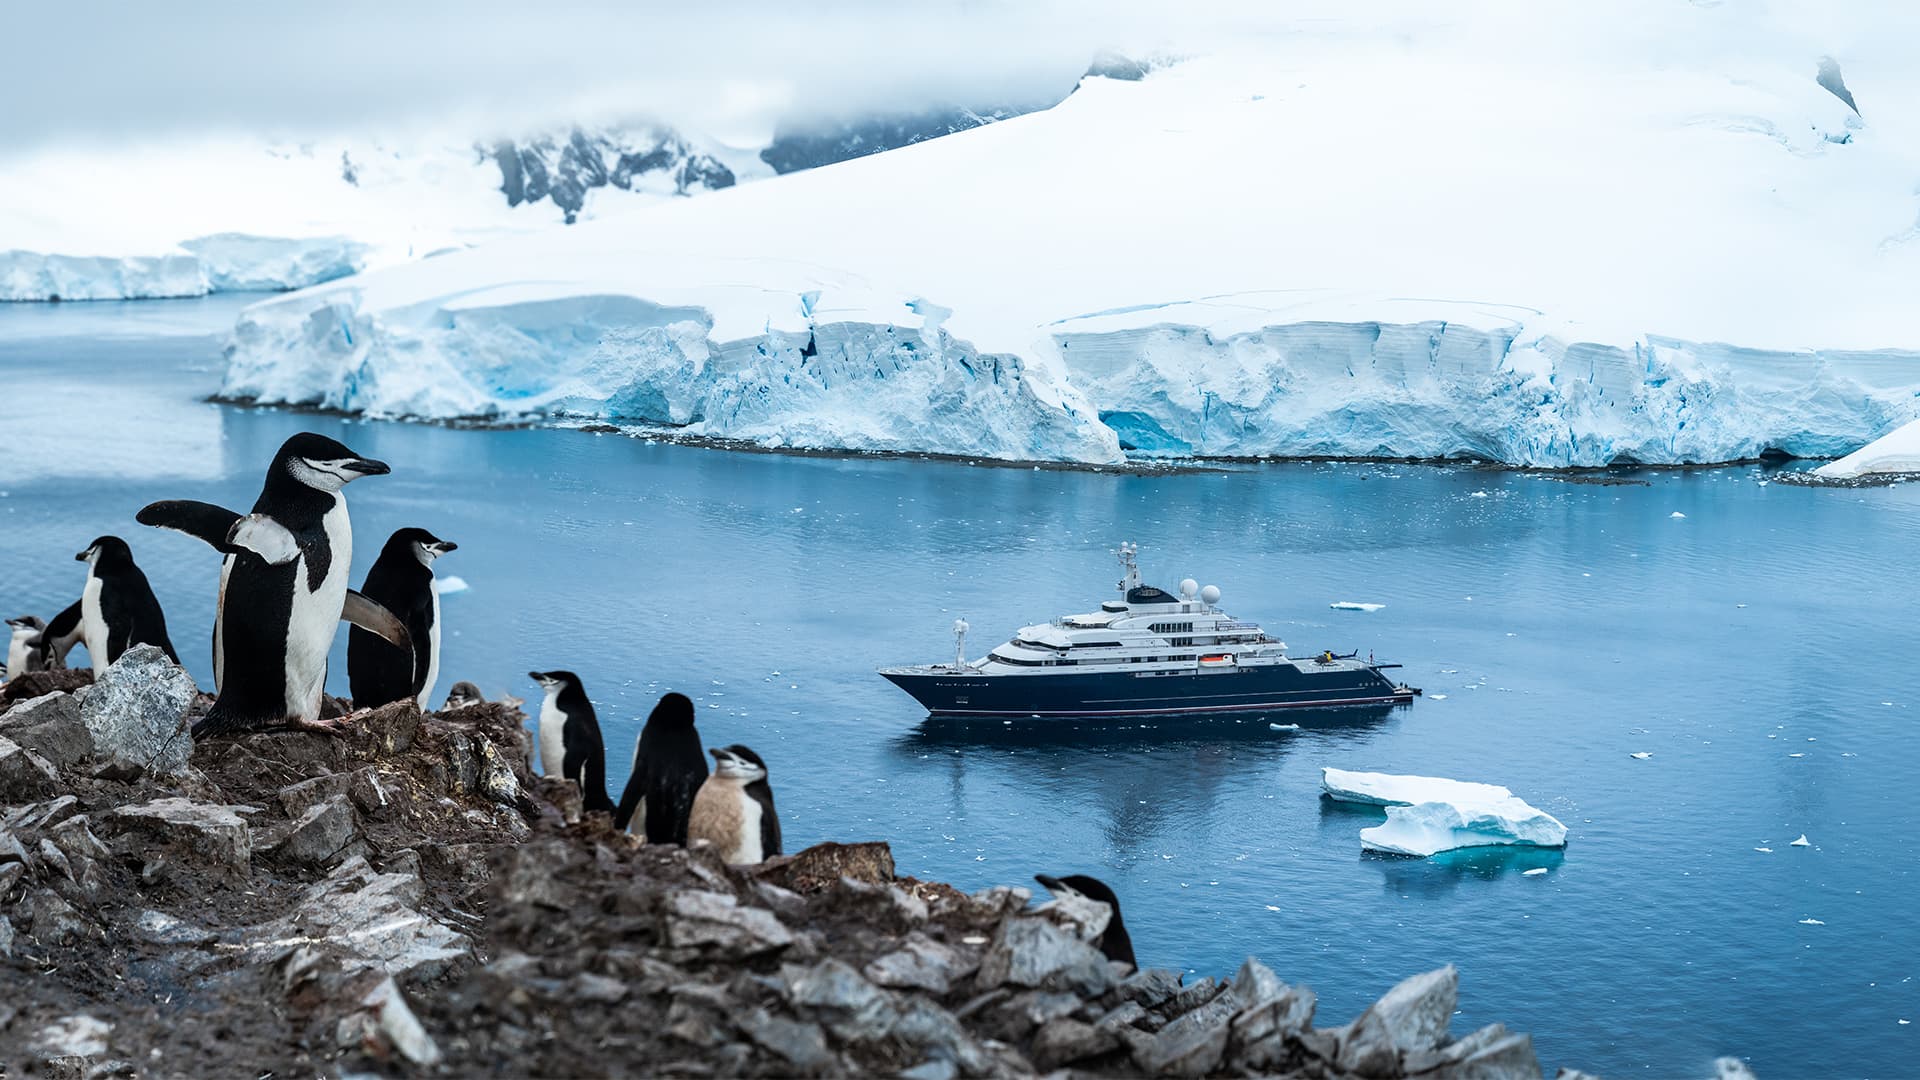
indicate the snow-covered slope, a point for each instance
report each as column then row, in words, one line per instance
column 1895, row 453
column 1541, row 234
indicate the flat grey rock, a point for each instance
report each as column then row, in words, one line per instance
column 136, row 714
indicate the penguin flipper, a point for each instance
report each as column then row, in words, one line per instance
column 374, row 618
column 60, row 636
column 203, row 521
column 264, row 537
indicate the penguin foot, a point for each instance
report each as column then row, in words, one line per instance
column 339, row 725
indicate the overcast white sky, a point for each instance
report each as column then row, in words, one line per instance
column 89, row 69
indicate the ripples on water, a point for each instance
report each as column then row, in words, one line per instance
column 1566, row 624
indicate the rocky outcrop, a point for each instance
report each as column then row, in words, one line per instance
column 407, row 899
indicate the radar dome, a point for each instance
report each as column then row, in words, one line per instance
column 960, row 626
column 1188, row 588
column 1210, row 594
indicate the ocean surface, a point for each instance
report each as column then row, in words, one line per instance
column 1761, row 648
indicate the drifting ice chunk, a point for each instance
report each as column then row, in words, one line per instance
column 450, row 584
column 1676, row 514
column 1426, row 814
column 1897, row 451
column 1354, row 605
column 1640, row 755
column 1802, row 842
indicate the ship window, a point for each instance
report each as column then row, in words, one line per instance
column 1096, row 644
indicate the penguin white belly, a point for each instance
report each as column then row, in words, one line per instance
column 17, row 653
column 93, row 626
column 553, row 738
column 748, row 849
column 219, row 621
column 433, row 652
column 316, row 616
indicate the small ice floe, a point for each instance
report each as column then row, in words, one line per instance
column 1640, row 755
column 450, row 584
column 1271, row 907
column 1764, row 850
column 1811, row 922
column 1354, row 605
column 1429, row 814
column 1904, row 1023
column 1437, row 697
column 1535, row 872
column 1676, row 515
column 1477, row 495
column 1802, row 842
column 1284, row 727
column 1796, row 755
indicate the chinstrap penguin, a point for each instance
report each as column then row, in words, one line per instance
column 1114, row 942
column 570, row 744
column 49, row 651
column 22, row 647
column 283, row 585
column 402, row 582
column 668, row 769
column 117, row 607
column 734, row 809
column 464, row 694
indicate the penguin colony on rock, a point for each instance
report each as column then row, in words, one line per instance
column 283, row 592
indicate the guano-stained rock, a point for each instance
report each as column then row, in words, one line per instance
column 136, row 714
column 202, row 834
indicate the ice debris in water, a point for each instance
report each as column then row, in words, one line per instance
column 1354, row 605
column 1437, row 697
column 1641, row 755
column 1802, row 842
column 1764, row 850
column 1535, row 872
column 1284, row 727
column 1676, row 515
column 1811, row 922
column 450, row 584
column 1427, row 814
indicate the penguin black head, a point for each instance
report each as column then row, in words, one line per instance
column 418, row 543
column 322, row 463
column 106, row 551
column 736, row 762
column 27, row 622
column 674, row 711
column 1114, row 942
column 555, row 681
column 464, row 694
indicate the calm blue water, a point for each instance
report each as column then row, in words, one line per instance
column 1761, row 649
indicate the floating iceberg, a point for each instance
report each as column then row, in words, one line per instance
column 1896, row 452
column 1427, row 814
column 1353, row 605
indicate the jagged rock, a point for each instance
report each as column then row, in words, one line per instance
column 297, row 799
column 496, row 779
column 382, row 1025
column 1491, row 1053
column 320, row 834
column 24, row 774
column 1191, row 997
column 137, row 714
column 1190, row 1046
column 1260, row 1033
column 160, row 928
column 1037, row 953
column 696, row 918
column 587, row 986
column 30, row 819
column 51, row 920
column 927, row 1027
column 50, row 726
column 387, row 730
column 1065, row 1041
column 369, row 919
column 835, row 994
column 931, row 1069
column 921, row 963
column 6, row 936
column 11, row 874
column 803, row 1045
column 1411, row 1017
column 821, row 867
column 1731, row 1068
column 1152, row 988
column 177, row 831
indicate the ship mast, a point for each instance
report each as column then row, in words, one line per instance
column 1130, row 570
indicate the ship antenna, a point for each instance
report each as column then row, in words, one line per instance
column 1130, row 576
column 960, row 629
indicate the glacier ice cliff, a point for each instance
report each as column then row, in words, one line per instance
column 225, row 262
column 1427, row 815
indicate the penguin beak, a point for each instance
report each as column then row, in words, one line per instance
column 536, row 676
column 1052, row 884
column 82, row 557
column 445, row 546
column 367, row 467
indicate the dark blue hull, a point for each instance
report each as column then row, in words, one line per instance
column 1308, row 684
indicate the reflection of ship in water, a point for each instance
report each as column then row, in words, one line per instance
column 1139, row 782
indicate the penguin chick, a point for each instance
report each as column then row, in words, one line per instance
column 668, row 769
column 734, row 808
column 1113, row 940
column 464, row 694
column 570, row 744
